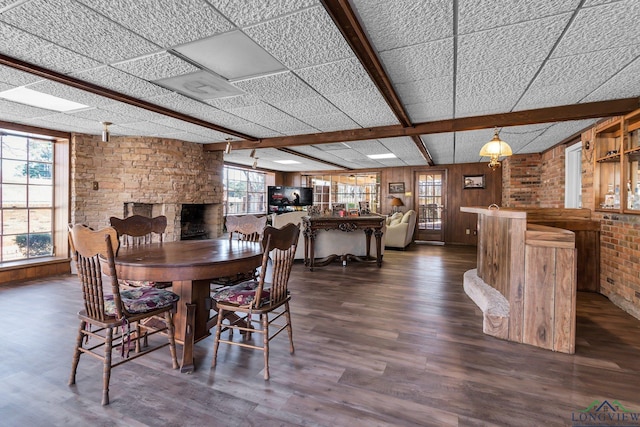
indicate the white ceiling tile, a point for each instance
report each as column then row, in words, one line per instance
column 555, row 133
column 69, row 93
column 614, row 23
column 625, row 84
column 393, row 24
column 248, row 12
column 29, row 48
column 511, row 45
column 554, row 95
column 256, row 130
column 72, row 121
column 307, row 107
column 317, row 40
column 99, row 115
column 377, row 110
column 111, row 78
column 259, row 113
column 352, row 76
column 426, row 91
column 79, row 29
column 16, row 77
column 289, row 126
column 419, row 62
column 14, row 108
column 477, row 15
column 440, row 146
column 198, row 109
column 165, row 22
column 331, row 122
column 277, row 88
column 233, row 102
column 156, row 66
column 429, row 111
column 135, row 112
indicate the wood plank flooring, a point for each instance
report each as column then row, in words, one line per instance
column 396, row 346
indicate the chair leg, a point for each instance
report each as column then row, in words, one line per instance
column 77, row 353
column 172, row 339
column 216, row 343
column 287, row 315
column 265, row 346
column 106, row 370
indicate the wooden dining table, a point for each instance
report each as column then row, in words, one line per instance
column 189, row 265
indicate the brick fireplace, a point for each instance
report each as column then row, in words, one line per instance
column 158, row 176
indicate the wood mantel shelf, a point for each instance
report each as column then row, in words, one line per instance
column 533, row 269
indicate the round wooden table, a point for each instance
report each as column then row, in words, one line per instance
column 189, row 265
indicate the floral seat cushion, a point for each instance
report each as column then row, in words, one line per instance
column 143, row 283
column 141, row 300
column 241, row 294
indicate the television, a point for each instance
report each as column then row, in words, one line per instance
column 286, row 199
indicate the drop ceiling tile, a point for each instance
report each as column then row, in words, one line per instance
column 625, row 84
column 429, row 111
column 289, row 126
column 478, row 16
column 250, row 12
column 419, row 62
column 149, row 128
column 511, row 45
column 69, row 93
column 99, row 115
column 277, row 88
column 260, row 113
column 352, row 76
column 79, row 29
column 32, row 49
column 134, row 112
column 425, row 91
column 302, row 39
column 16, row 77
column 307, row 107
column 27, row 111
column 197, row 109
column 555, row 133
column 256, row 130
column 440, row 146
column 490, row 84
column 369, row 146
column 72, row 121
column 56, row 125
column 156, row 66
column 119, row 81
column 393, row 24
column 234, row 102
column 554, row 95
column 165, row 22
column 589, row 3
column 616, row 25
column 377, row 112
column 331, row 122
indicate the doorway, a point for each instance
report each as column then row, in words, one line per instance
column 430, row 201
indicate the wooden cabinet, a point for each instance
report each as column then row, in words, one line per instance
column 617, row 166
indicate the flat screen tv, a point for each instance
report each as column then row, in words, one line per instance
column 285, row 199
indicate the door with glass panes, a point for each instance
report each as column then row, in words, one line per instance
column 430, row 205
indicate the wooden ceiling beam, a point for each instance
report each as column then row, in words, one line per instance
column 112, row 94
column 349, row 25
column 588, row 110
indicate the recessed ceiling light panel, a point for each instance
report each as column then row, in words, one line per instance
column 287, row 162
column 381, row 156
column 232, row 55
column 33, row 98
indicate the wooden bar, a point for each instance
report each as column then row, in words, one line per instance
column 533, row 268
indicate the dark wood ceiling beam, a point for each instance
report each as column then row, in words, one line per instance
column 315, row 159
column 589, row 110
column 349, row 25
column 111, row 94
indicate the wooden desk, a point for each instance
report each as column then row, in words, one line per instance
column 190, row 265
column 370, row 224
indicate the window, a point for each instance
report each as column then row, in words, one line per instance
column 573, row 176
column 348, row 189
column 26, row 205
column 245, row 191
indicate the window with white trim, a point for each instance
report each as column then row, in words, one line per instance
column 245, row 191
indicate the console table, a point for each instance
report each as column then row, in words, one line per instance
column 370, row 224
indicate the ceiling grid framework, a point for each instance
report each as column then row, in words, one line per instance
column 446, row 71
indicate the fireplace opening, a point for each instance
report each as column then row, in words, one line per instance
column 192, row 222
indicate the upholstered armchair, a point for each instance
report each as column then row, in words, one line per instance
column 400, row 228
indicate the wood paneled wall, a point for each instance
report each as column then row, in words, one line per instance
column 456, row 222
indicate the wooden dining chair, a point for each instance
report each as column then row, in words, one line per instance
column 248, row 228
column 108, row 318
column 139, row 230
column 268, row 297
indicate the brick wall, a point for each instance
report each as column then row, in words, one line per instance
column 162, row 172
column 521, row 180
column 552, row 178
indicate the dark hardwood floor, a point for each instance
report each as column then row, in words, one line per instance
column 396, row 346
